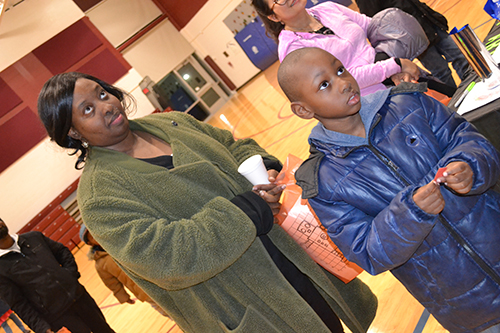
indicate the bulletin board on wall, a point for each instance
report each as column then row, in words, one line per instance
column 242, row 15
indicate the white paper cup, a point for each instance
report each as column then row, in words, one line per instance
column 254, row 170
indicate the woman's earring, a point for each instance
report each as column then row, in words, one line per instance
column 85, row 144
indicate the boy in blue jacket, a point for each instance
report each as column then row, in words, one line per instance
column 371, row 180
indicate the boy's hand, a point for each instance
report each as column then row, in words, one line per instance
column 407, row 66
column 429, row 198
column 271, row 193
column 458, row 176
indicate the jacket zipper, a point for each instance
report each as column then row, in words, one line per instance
column 456, row 236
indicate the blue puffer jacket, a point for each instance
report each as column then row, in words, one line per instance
column 362, row 191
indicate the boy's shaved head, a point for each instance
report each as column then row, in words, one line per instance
column 287, row 73
column 318, row 86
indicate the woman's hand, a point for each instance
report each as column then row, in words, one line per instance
column 429, row 198
column 130, row 301
column 401, row 77
column 458, row 176
column 411, row 68
column 271, row 193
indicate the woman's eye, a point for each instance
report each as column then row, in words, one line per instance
column 88, row 110
column 341, row 71
column 103, row 94
column 324, row 85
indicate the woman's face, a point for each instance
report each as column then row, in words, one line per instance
column 287, row 11
column 98, row 116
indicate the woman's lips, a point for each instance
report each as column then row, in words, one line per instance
column 116, row 120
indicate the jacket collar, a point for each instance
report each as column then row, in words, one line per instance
column 125, row 161
column 338, row 144
column 14, row 248
column 370, row 105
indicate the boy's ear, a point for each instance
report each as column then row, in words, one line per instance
column 300, row 110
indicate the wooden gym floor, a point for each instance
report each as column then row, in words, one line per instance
column 261, row 111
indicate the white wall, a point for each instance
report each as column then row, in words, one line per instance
column 130, row 83
column 210, row 36
column 134, row 15
column 159, row 51
column 33, row 181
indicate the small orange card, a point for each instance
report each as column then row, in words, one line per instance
column 439, row 173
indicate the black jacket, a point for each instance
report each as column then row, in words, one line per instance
column 4, row 307
column 40, row 283
column 428, row 18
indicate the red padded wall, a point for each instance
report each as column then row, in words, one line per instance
column 18, row 135
column 180, row 12
column 8, row 97
column 105, row 66
column 68, row 47
column 86, row 4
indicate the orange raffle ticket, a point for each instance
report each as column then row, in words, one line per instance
column 301, row 224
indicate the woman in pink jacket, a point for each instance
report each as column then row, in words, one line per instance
column 338, row 30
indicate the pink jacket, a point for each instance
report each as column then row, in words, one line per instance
column 349, row 45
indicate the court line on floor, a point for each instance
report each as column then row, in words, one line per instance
column 422, row 321
column 113, row 304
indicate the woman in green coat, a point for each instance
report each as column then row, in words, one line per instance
column 163, row 196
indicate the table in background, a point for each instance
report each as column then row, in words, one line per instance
column 487, row 117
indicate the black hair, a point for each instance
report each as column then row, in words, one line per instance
column 273, row 28
column 55, row 109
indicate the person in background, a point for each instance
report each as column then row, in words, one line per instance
column 338, row 30
column 442, row 49
column 113, row 276
column 39, row 281
column 163, row 196
column 372, row 179
column 5, row 314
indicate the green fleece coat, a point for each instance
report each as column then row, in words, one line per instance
column 177, row 234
